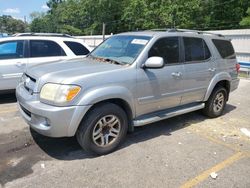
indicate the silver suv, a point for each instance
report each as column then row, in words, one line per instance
column 131, row 79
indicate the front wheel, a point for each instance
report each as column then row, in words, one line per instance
column 103, row 129
column 216, row 103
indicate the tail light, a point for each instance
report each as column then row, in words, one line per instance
column 237, row 67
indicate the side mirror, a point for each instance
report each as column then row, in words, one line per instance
column 154, row 63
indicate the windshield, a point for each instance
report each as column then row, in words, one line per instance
column 122, row 49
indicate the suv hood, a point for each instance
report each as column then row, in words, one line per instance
column 61, row 70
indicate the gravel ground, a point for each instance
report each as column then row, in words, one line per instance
column 178, row 152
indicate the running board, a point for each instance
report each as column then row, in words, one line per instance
column 167, row 114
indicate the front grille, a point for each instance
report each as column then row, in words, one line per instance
column 29, row 83
column 27, row 112
column 31, row 78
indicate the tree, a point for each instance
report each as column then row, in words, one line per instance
column 52, row 4
column 246, row 20
column 79, row 17
column 11, row 25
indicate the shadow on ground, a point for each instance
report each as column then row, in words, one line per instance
column 69, row 149
column 7, row 98
column 32, row 148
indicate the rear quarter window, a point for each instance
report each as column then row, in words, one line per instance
column 225, row 48
column 77, row 48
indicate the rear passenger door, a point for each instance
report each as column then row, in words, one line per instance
column 42, row 51
column 199, row 69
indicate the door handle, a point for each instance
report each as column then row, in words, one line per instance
column 20, row 64
column 176, row 74
column 212, row 69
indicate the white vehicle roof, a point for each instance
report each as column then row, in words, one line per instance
column 58, row 39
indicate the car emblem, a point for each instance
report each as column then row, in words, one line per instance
column 28, row 83
column 27, row 80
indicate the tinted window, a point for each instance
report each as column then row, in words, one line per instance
column 225, row 48
column 195, row 49
column 11, row 50
column 167, row 48
column 77, row 48
column 44, row 48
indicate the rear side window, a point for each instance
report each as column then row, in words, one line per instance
column 77, row 48
column 167, row 48
column 195, row 49
column 45, row 48
column 225, row 48
column 12, row 50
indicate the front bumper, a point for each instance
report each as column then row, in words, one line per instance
column 49, row 120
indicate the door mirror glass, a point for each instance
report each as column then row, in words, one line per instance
column 154, row 63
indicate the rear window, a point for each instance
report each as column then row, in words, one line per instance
column 195, row 49
column 77, row 48
column 225, row 48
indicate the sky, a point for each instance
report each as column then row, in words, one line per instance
column 20, row 8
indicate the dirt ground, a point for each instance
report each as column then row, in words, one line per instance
column 178, row 152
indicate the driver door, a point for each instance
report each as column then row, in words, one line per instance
column 12, row 63
column 162, row 88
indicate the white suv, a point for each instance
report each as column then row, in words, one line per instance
column 24, row 50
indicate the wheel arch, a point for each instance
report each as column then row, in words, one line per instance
column 117, row 101
column 222, row 80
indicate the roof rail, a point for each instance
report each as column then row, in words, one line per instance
column 42, row 34
column 194, row 31
column 163, row 29
column 187, row 30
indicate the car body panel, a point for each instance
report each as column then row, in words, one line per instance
column 157, row 89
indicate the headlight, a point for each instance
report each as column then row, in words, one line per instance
column 58, row 93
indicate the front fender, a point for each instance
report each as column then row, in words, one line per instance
column 97, row 95
column 217, row 78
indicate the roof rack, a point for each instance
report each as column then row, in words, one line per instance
column 194, row 31
column 187, row 31
column 42, row 34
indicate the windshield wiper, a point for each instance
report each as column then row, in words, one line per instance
column 113, row 61
column 107, row 60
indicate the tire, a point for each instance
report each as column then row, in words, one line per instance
column 103, row 129
column 216, row 103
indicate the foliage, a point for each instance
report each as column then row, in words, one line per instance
column 79, row 17
column 11, row 25
column 246, row 21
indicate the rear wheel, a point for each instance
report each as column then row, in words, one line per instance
column 216, row 103
column 103, row 129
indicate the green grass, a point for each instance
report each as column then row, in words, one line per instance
column 243, row 75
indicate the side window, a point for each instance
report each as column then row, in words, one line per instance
column 45, row 48
column 167, row 48
column 77, row 48
column 225, row 48
column 12, row 50
column 195, row 49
